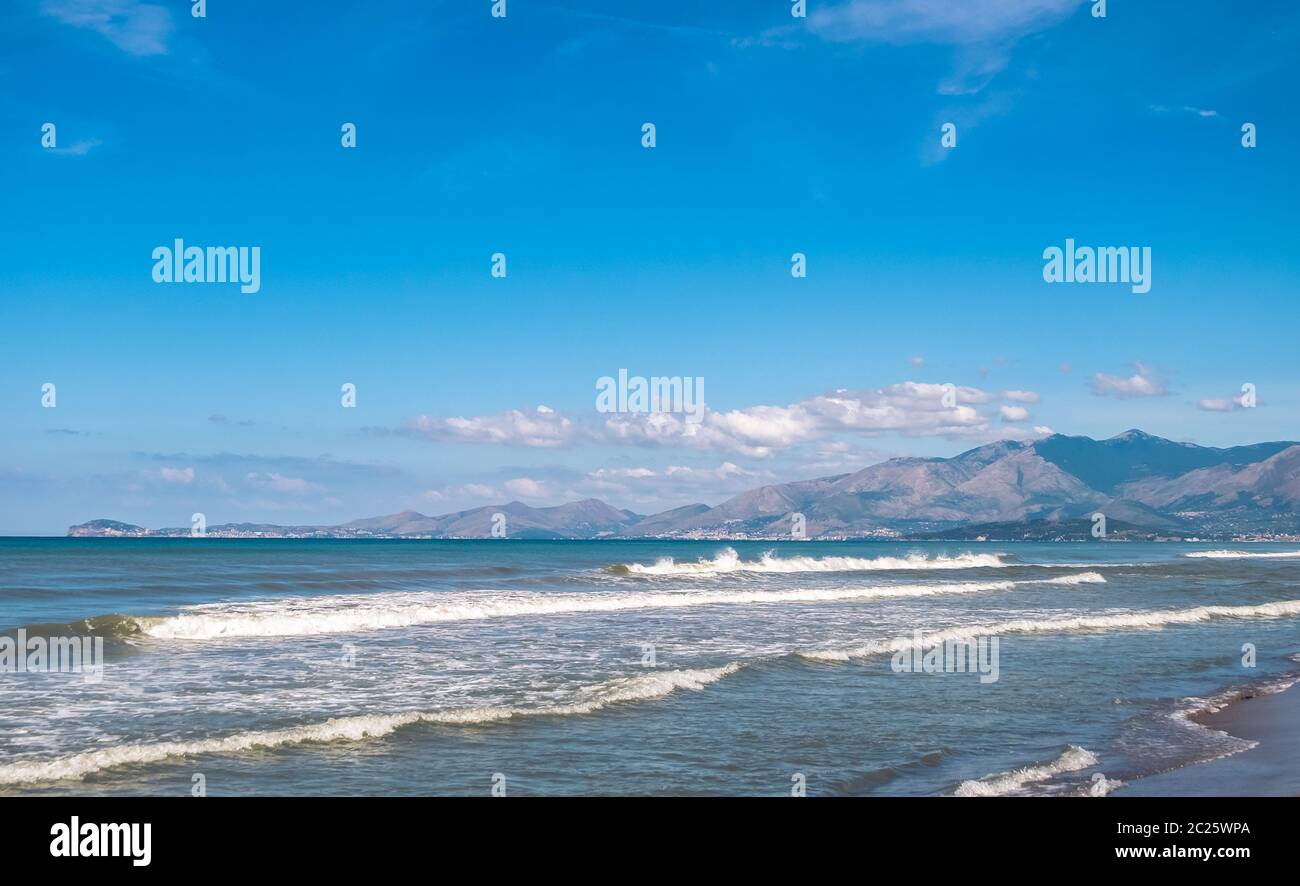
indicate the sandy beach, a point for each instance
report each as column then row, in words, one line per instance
column 1270, row 769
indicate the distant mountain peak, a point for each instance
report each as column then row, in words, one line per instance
column 1135, row 434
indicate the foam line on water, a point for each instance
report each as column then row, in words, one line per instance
column 357, row 614
column 1140, row 619
column 1244, row 555
column 641, row 687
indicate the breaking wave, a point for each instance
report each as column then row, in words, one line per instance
column 113, row 625
column 1080, row 578
column 352, row 614
column 345, row 614
column 729, row 561
column 1074, row 759
column 642, row 687
column 1065, row 624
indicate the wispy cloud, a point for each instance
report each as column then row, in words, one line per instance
column 649, row 489
column 462, row 492
column 1225, row 404
column 542, row 428
column 982, row 31
column 621, row 21
column 938, row 21
column 526, row 487
column 660, row 487
column 1215, row 405
column 1185, row 109
column 278, row 482
column 77, row 149
column 134, row 27
column 176, row 475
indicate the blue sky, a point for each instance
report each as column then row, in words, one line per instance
column 522, row 135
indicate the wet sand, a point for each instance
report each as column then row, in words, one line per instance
column 1270, row 769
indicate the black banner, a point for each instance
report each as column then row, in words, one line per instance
column 218, row 835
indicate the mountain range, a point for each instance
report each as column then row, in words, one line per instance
column 1146, row 487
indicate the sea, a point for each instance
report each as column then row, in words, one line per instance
column 516, row 668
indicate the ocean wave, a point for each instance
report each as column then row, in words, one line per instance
column 642, row 687
column 352, row 614
column 1079, row 578
column 1151, row 618
column 1074, row 759
column 1244, row 555
column 729, row 561
column 655, row 684
column 112, row 625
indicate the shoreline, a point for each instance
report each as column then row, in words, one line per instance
column 1269, row 769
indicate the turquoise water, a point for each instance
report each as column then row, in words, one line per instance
column 444, row 667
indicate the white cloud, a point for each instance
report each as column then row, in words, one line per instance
column 132, row 26
column 1224, row 404
column 177, row 475
column 1144, row 382
column 544, row 427
column 909, row 408
column 526, row 487
column 1014, row 413
column 1020, row 396
column 1015, row 432
column 622, row 474
column 725, row 471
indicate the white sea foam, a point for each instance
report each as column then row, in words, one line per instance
column 1079, row 578
column 1141, row 619
column 1244, row 555
column 1074, row 759
column 641, row 687
column 1100, row 786
column 729, row 561
column 362, row 613
column 1193, row 707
